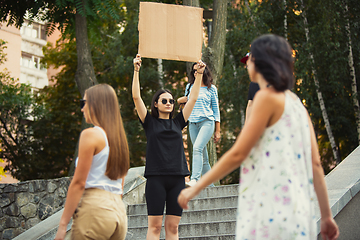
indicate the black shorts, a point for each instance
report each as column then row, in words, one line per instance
column 161, row 189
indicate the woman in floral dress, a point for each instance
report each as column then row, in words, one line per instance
column 278, row 154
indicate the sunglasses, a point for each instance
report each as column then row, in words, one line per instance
column 82, row 103
column 165, row 101
column 193, row 71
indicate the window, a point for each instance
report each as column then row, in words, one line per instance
column 31, row 61
column 26, row 60
column 43, row 32
column 34, row 30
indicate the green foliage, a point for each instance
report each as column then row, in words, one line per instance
column 39, row 131
column 328, row 44
column 113, row 37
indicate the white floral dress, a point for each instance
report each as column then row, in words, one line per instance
column 276, row 182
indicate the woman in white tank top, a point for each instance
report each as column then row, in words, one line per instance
column 94, row 197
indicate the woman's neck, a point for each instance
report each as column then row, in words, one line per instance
column 164, row 115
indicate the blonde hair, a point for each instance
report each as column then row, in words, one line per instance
column 104, row 111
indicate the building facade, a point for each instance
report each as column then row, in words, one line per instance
column 23, row 55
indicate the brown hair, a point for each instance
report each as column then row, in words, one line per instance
column 104, row 111
column 207, row 76
column 272, row 56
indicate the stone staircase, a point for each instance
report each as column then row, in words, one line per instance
column 211, row 215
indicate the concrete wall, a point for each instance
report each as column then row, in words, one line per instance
column 25, row 204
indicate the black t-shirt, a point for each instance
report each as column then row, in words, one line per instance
column 165, row 148
column 253, row 88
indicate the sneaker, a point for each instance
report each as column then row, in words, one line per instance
column 191, row 183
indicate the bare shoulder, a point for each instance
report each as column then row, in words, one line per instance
column 269, row 104
column 267, row 96
column 292, row 95
column 91, row 134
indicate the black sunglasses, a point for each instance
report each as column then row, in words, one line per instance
column 82, row 103
column 164, row 101
column 193, row 71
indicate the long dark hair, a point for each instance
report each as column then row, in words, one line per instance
column 207, row 76
column 155, row 99
column 272, row 56
column 104, row 111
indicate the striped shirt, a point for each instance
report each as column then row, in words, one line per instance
column 206, row 106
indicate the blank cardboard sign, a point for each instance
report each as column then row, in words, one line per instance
column 170, row 31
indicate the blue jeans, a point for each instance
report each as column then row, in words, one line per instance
column 200, row 134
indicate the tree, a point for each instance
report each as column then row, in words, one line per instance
column 38, row 131
column 352, row 70
column 319, row 93
column 66, row 14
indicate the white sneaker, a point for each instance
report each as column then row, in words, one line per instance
column 191, row 183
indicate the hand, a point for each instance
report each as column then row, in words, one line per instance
column 216, row 137
column 61, row 232
column 182, row 100
column 329, row 229
column 137, row 62
column 185, row 196
column 200, row 67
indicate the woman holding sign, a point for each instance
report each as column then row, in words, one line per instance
column 166, row 165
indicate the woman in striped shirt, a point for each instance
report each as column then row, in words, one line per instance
column 202, row 121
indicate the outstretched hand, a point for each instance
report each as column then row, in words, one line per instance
column 329, row 229
column 137, row 62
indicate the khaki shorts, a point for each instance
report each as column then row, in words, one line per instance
column 100, row 215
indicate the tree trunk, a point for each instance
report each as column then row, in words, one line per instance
column 161, row 72
column 214, row 56
column 251, row 16
column 214, row 53
column 319, row 94
column 233, row 64
column 192, row 3
column 352, row 74
column 285, row 21
column 85, row 75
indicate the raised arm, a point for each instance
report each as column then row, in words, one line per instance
column 329, row 228
column 200, row 67
column 139, row 103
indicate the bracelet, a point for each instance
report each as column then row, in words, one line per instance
column 136, row 70
column 199, row 73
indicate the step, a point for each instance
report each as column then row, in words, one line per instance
column 190, row 230
column 209, row 237
column 225, row 190
column 195, row 204
column 211, row 215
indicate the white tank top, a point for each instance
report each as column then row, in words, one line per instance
column 96, row 177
